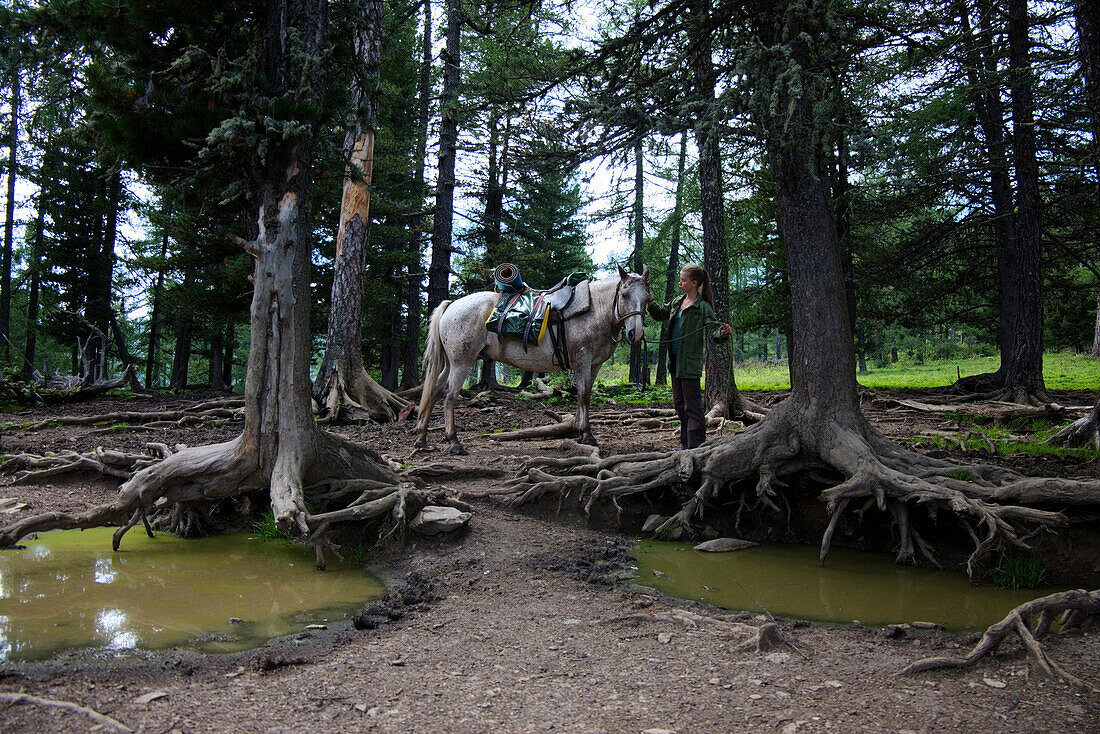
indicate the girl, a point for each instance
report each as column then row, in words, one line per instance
column 690, row 317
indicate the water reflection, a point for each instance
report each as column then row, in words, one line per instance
column 786, row 581
column 69, row 590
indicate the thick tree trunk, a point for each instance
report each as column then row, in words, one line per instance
column 1087, row 14
column 217, row 369
column 443, row 221
column 343, row 388
column 1024, row 369
column 673, row 273
column 230, row 343
column 9, row 212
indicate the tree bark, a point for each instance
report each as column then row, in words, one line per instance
column 342, row 387
column 31, row 343
column 443, row 221
column 635, row 370
column 1024, row 368
column 181, row 355
column 1087, row 14
column 721, row 386
column 673, row 272
column 152, row 368
column 9, row 221
column 124, row 354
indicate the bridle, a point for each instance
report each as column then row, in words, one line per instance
column 618, row 319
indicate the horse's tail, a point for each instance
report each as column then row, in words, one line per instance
column 436, row 365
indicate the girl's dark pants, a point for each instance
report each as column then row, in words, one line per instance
column 687, row 398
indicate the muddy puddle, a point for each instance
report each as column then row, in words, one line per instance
column 69, row 591
column 854, row 585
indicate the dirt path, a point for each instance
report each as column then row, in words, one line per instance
column 517, row 640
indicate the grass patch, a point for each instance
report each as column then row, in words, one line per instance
column 1020, row 572
column 266, row 530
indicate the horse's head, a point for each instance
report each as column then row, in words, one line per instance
column 633, row 297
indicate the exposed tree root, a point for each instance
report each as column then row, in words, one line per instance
column 997, row 509
column 998, row 411
column 101, row 719
column 1084, row 432
column 1030, row 621
column 211, row 411
column 361, row 400
column 646, row 419
column 70, row 388
column 33, row 468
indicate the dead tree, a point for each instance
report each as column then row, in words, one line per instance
column 281, row 447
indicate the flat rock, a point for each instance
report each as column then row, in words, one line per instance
column 433, row 520
column 652, row 523
column 725, row 545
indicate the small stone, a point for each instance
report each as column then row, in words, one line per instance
column 235, row 620
column 150, row 697
column 235, row 673
column 571, row 621
column 833, row 683
column 659, row 731
column 433, row 520
column 894, row 631
column 399, row 663
column 658, row 574
column 714, row 681
column 777, row 657
column 664, row 637
column 725, row 545
column 316, row 627
column 652, row 523
column 994, row 683
column 755, row 697
column 374, row 711
column 361, row 708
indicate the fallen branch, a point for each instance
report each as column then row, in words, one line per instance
column 101, row 719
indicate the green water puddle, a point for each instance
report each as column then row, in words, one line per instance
column 853, row 585
column 68, row 590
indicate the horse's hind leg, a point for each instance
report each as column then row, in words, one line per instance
column 585, row 379
column 454, row 385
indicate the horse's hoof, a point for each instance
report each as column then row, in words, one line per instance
column 458, row 450
column 421, row 444
column 588, row 440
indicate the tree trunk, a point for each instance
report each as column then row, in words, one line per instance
column 443, row 221
column 721, row 386
column 411, row 354
column 9, row 220
column 217, row 369
column 635, row 371
column 1087, row 14
column 230, row 342
column 673, row 273
column 152, row 368
column 35, row 266
column 181, row 356
column 982, row 73
column 1024, row 368
column 343, row 388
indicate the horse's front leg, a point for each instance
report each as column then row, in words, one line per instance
column 585, row 378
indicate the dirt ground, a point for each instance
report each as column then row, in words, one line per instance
column 507, row 628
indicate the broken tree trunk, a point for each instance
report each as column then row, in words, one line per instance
column 343, row 389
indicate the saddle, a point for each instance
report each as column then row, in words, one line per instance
column 529, row 314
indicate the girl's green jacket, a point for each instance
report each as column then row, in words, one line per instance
column 696, row 321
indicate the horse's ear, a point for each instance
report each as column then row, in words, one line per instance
column 622, row 273
column 645, row 273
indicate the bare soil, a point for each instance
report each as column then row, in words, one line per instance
column 516, row 625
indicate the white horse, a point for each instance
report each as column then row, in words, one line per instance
column 457, row 338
